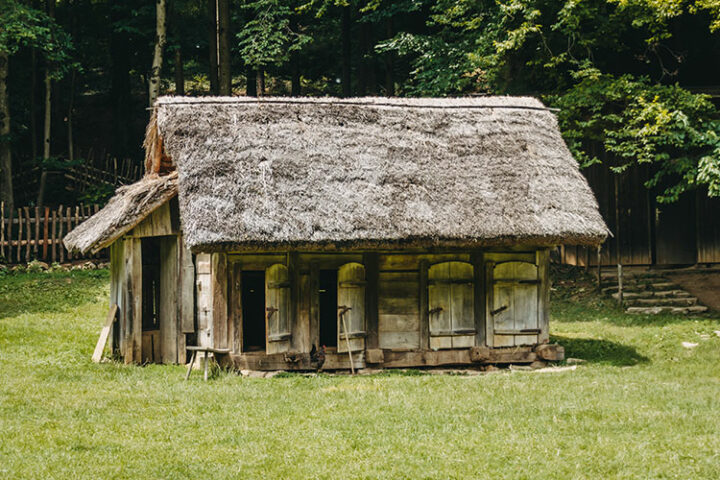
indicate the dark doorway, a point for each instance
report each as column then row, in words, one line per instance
column 328, row 307
column 253, row 310
column 150, row 283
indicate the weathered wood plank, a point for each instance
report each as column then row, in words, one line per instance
column 235, row 313
column 351, row 306
column 278, row 309
column 186, row 289
column 218, row 279
column 543, row 262
column 105, row 333
column 204, row 300
column 372, row 275
column 411, row 261
column 168, row 299
column 407, row 340
column 314, row 304
column 424, row 340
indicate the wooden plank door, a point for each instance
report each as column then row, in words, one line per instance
column 351, row 307
column 451, row 304
column 277, row 309
column 513, row 313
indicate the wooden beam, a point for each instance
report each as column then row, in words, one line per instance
column 423, row 305
column 219, row 300
column 372, row 276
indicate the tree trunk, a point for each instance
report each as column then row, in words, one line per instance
column 6, row 186
column 250, row 81
column 260, row 82
column 389, row 63
column 160, row 39
column 179, row 74
column 71, row 105
column 46, row 137
column 120, row 97
column 213, row 43
column 48, row 119
column 33, row 106
column 224, row 47
column 346, row 52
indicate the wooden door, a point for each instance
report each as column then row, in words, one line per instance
column 351, row 307
column 451, row 305
column 513, row 312
column 277, row 309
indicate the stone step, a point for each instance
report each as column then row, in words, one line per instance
column 658, row 310
column 652, row 294
column 641, row 287
column 662, row 302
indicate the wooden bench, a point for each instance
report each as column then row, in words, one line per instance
column 215, row 351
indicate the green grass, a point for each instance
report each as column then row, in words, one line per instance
column 641, row 407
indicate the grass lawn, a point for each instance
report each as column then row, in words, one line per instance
column 643, row 406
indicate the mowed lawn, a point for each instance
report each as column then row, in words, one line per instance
column 643, row 406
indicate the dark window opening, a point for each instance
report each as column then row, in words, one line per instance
column 253, row 310
column 328, row 307
column 150, row 284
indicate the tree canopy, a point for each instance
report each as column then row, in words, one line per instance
column 635, row 81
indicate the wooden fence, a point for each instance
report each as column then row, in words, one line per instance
column 31, row 233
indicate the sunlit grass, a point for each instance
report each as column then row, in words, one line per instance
column 642, row 406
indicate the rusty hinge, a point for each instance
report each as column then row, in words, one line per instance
column 498, row 310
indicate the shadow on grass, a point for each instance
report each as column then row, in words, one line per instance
column 49, row 292
column 600, row 351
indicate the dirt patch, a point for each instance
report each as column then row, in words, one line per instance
column 703, row 285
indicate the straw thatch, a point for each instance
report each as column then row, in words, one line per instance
column 130, row 206
column 374, row 172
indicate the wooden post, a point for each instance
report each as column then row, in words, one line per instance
column 37, row 232
column 620, row 284
column 372, row 274
column 423, row 298
column 20, row 229
column 599, row 268
column 61, row 247
column 53, row 246
column 28, row 234
column 45, row 232
column 68, row 219
column 8, row 257
column 2, row 230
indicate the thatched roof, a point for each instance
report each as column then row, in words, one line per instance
column 374, row 172
column 130, row 206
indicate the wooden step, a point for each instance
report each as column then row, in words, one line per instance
column 675, row 310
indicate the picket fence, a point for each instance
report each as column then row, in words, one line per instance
column 32, row 233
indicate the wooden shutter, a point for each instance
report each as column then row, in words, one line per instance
column 451, row 305
column 351, row 307
column 513, row 306
column 277, row 308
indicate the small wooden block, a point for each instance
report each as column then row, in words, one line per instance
column 374, row 355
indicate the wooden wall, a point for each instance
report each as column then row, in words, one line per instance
column 396, row 295
column 177, row 306
column 647, row 232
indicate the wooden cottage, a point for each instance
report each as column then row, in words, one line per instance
column 411, row 232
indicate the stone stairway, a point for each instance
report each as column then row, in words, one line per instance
column 650, row 293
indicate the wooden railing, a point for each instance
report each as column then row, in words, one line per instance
column 31, row 233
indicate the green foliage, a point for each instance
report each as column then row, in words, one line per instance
column 97, row 194
column 267, row 38
column 626, row 121
column 23, row 26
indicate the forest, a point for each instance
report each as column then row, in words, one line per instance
column 632, row 81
